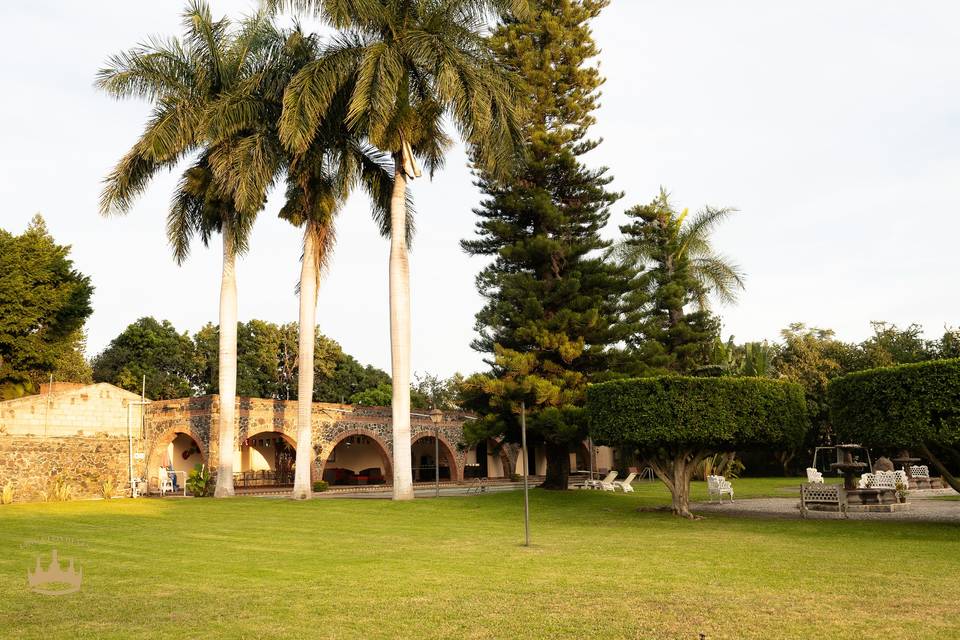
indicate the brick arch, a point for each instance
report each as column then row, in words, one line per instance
column 385, row 452
column 165, row 438
column 455, row 472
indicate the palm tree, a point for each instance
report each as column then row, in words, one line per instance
column 319, row 180
column 688, row 241
column 404, row 66
column 182, row 78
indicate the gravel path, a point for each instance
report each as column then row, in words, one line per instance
column 922, row 508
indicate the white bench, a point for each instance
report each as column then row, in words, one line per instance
column 884, row 480
column 819, row 493
column 717, row 486
column 919, row 471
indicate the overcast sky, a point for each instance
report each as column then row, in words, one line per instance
column 834, row 128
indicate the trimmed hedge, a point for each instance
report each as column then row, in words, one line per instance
column 712, row 413
column 900, row 406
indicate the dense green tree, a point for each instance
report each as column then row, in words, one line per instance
column 44, row 303
column 406, row 69
column 152, row 349
column 676, row 332
column 552, row 301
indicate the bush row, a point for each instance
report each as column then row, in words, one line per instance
column 716, row 413
column 900, row 406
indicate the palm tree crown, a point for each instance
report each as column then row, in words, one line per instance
column 688, row 241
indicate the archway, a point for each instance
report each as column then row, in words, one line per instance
column 488, row 459
column 357, row 458
column 536, row 461
column 422, row 451
column 266, row 459
column 178, row 447
column 580, row 458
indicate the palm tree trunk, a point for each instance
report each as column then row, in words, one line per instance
column 400, row 336
column 308, row 323
column 228, row 367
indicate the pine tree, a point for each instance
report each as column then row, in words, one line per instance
column 552, row 301
column 676, row 334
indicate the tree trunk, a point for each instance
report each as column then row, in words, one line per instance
column 228, row 367
column 308, row 323
column 676, row 470
column 558, row 467
column 400, row 336
column 944, row 473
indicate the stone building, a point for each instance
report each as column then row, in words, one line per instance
column 86, row 434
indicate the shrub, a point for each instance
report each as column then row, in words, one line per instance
column 320, row 486
column 675, row 423
column 515, row 477
column 58, row 491
column 6, row 497
column 910, row 405
column 199, row 482
column 107, row 487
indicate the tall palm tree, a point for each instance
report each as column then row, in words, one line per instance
column 406, row 65
column 319, row 180
column 182, row 78
column 688, row 240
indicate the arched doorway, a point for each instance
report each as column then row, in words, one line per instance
column 266, row 460
column 536, row 461
column 179, row 448
column 423, row 451
column 358, row 458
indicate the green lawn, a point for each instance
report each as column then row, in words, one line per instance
column 454, row 568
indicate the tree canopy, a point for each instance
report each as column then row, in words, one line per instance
column 44, row 303
column 676, row 422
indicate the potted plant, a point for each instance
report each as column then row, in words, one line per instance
column 901, row 492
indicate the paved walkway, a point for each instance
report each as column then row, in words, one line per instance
column 922, row 508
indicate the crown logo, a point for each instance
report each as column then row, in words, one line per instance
column 54, row 581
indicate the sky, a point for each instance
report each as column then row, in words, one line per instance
column 832, row 127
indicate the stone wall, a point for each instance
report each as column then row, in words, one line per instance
column 72, row 410
column 32, row 464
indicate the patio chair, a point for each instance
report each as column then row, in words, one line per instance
column 606, row 483
column 717, row 486
column 626, row 484
column 919, row 471
column 814, row 476
column 164, row 481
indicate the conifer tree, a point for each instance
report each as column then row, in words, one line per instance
column 552, row 301
column 676, row 333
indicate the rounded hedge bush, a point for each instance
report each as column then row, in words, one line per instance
column 721, row 414
column 898, row 407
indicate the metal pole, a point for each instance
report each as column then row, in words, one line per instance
column 133, row 491
column 590, row 455
column 526, row 485
column 436, row 459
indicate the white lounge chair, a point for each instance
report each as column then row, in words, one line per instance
column 717, row 486
column 163, row 479
column 606, row 483
column 626, row 484
column 814, row 476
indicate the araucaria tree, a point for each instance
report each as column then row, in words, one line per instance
column 183, row 79
column 552, row 302
column 679, row 272
column 404, row 67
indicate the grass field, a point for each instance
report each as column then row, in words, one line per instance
column 455, row 568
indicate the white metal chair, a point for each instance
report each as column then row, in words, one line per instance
column 606, row 483
column 163, row 479
column 814, row 476
column 900, row 477
column 884, row 480
column 919, row 471
column 717, row 486
column 626, row 484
